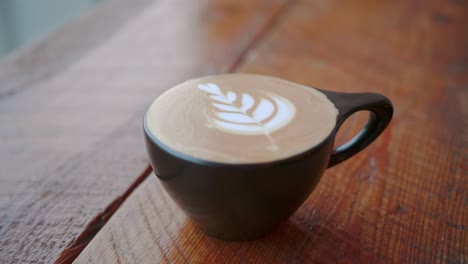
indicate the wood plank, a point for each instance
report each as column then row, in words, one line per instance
column 71, row 144
column 404, row 199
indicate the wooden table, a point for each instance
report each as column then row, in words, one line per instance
column 75, row 184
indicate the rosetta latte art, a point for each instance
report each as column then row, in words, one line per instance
column 246, row 114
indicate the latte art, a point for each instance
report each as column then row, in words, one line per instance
column 241, row 118
column 247, row 115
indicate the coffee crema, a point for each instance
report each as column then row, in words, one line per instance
column 241, row 118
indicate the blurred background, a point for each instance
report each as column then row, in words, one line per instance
column 24, row 21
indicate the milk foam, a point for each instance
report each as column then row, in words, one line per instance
column 241, row 118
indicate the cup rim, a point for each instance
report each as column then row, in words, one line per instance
column 193, row 159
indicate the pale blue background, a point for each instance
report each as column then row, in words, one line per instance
column 22, row 21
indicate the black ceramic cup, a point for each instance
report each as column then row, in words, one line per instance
column 246, row 201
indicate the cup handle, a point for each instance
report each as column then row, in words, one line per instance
column 380, row 113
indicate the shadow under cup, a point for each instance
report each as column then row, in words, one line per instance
column 246, row 201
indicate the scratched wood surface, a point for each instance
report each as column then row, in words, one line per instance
column 71, row 144
column 404, row 199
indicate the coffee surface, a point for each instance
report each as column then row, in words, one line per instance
column 241, row 118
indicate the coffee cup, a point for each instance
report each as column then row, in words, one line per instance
column 240, row 153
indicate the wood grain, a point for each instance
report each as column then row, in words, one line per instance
column 402, row 200
column 71, row 144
